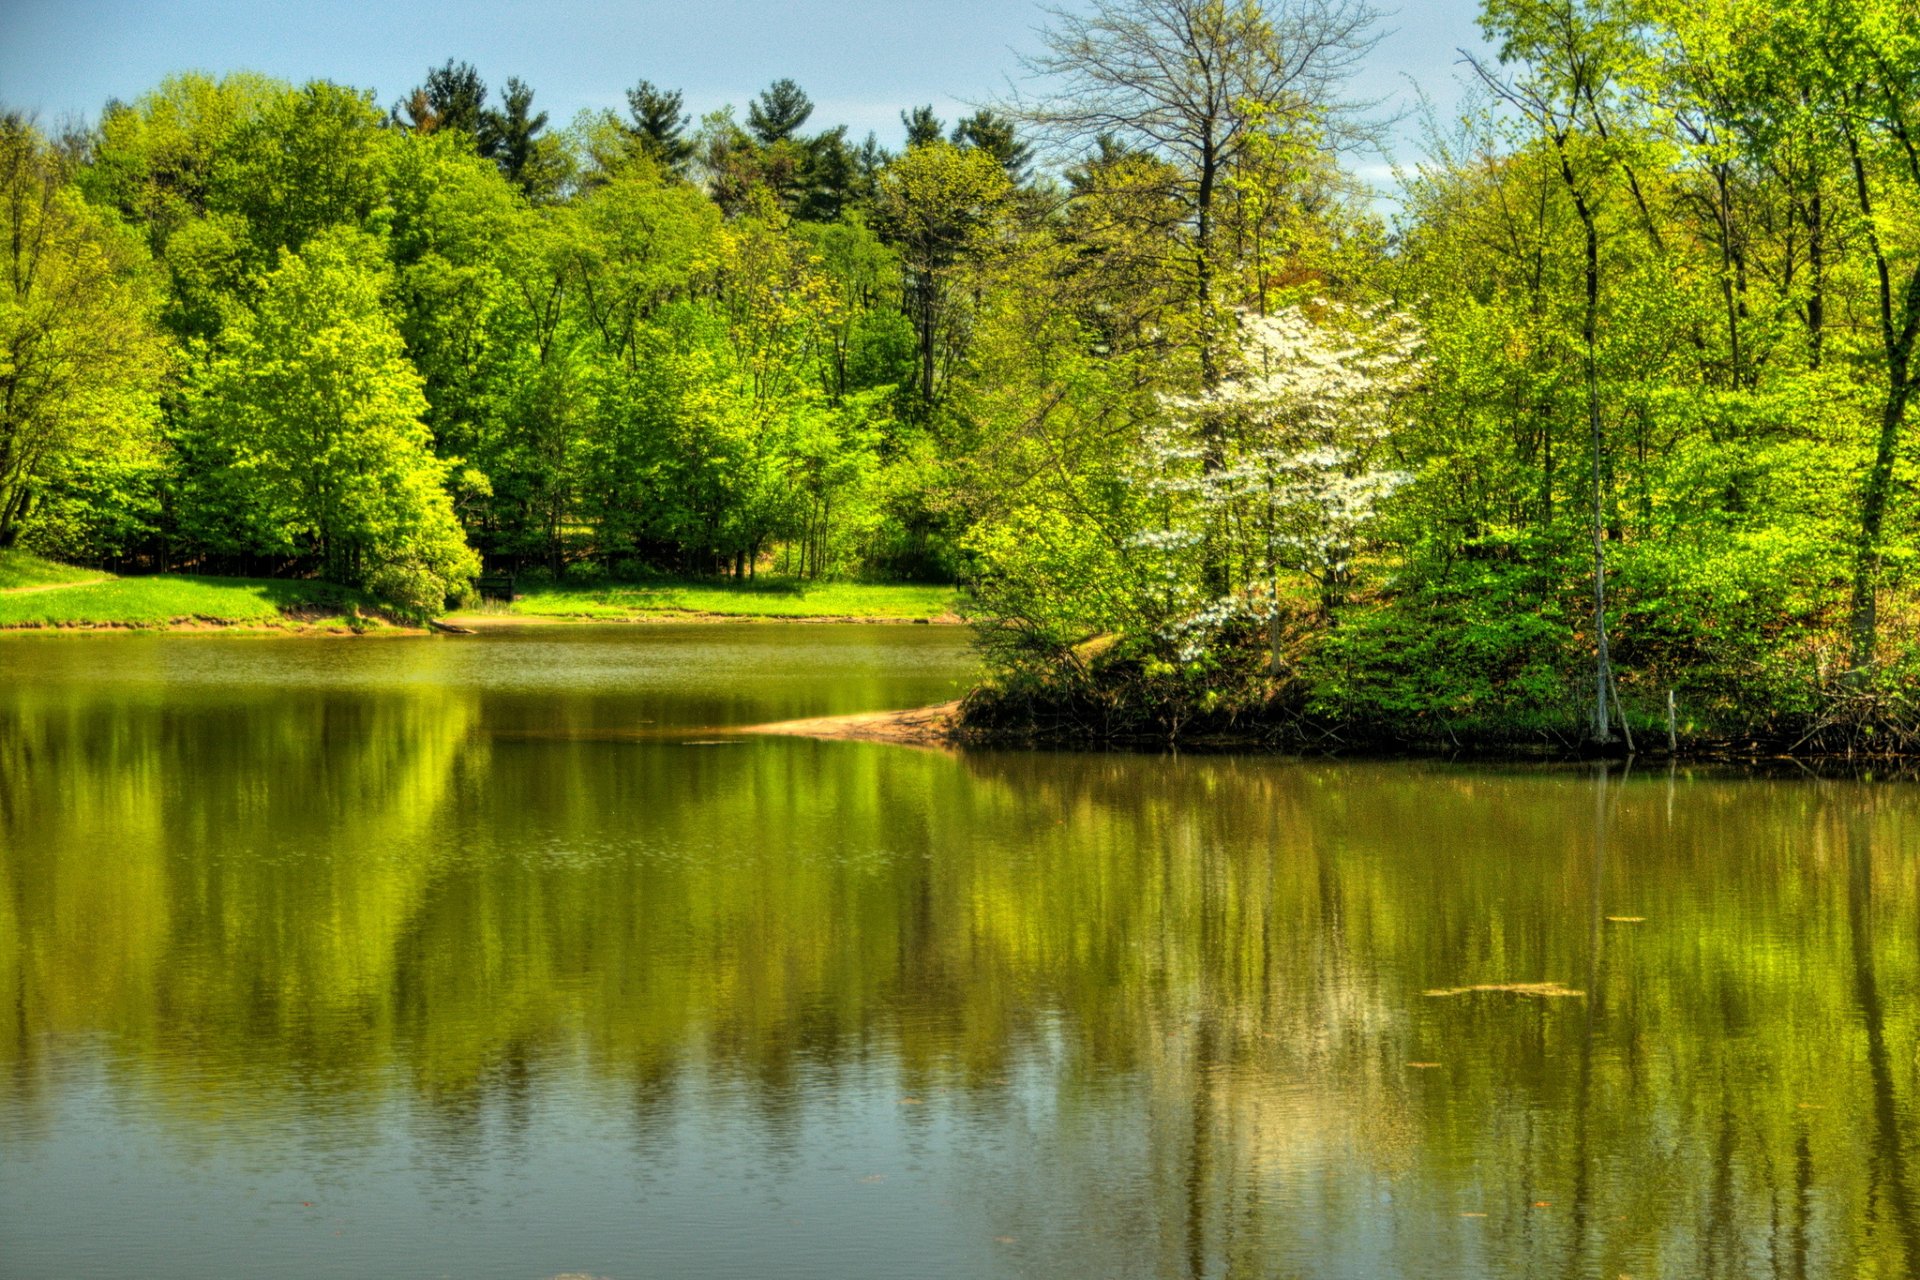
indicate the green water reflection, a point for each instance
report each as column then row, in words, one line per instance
column 481, row 958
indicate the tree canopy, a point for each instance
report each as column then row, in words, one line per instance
column 1611, row 417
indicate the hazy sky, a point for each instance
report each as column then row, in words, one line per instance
column 862, row 61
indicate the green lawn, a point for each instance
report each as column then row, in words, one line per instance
column 100, row 599
column 22, row 569
column 163, row 599
column 765, row 597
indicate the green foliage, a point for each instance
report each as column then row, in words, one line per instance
column 659, row 126
column 315, row 412
column 307, row 160
column 1148, row 414
column 1665, row 330
column 82, row 359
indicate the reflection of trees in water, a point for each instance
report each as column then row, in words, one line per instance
column 1212, row 967
column 221, row 883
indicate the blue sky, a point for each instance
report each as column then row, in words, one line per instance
column 860, row 60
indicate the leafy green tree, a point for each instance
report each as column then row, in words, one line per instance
column 941, row 207
column 308, row 160
column 317, row 413
column 1856, row 67
column 452, row 220
column 153, row 160
column 869, row 343
column 83, row 360
column 160, row 163
column 1570, row 53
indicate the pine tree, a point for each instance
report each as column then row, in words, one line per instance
column 660, row 125
column 510, row 137
column 996, row 135
column 777, row 114
column 922, row 126
column 453, row 97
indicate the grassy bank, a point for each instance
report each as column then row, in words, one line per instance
column 36, row 593
column 21, row 571
column 767, row 597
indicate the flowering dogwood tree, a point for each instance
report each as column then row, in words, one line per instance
column 1280, row 462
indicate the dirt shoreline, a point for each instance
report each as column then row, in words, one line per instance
column 915, row 726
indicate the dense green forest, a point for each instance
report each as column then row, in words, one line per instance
column 1604, row 430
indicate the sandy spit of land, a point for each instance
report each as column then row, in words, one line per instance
column 921, row 726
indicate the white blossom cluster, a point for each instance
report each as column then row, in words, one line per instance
column 1286, row 449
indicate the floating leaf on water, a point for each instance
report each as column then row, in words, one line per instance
column 875, row 1177
column 1543, row 1204
column 1473, row 1215
column 1423, row 1066
column 1626, row 919
column 1532, row 990
column 911, row 1102
column 1004, row 1239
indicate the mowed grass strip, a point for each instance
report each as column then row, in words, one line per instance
column 163, row 599
column 23, row 569
column 765, row 598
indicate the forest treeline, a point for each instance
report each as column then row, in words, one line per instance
column 280, row 329
column 1604, row 430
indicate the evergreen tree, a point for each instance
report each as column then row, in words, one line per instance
column 830, row 178
column 922, row 126
column 511, row 137
column 777, row 114
column 659, row 126
column 996, row 135
column 454, row 97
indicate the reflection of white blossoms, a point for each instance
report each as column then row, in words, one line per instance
column 1278, row 463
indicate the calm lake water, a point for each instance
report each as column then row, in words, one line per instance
column 490, row 958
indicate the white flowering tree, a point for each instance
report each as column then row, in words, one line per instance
column 1281, row 463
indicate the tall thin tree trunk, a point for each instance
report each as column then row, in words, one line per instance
column 1602, row 731
column 1863, row 620
column 1817, row 266
column 1216, row 572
